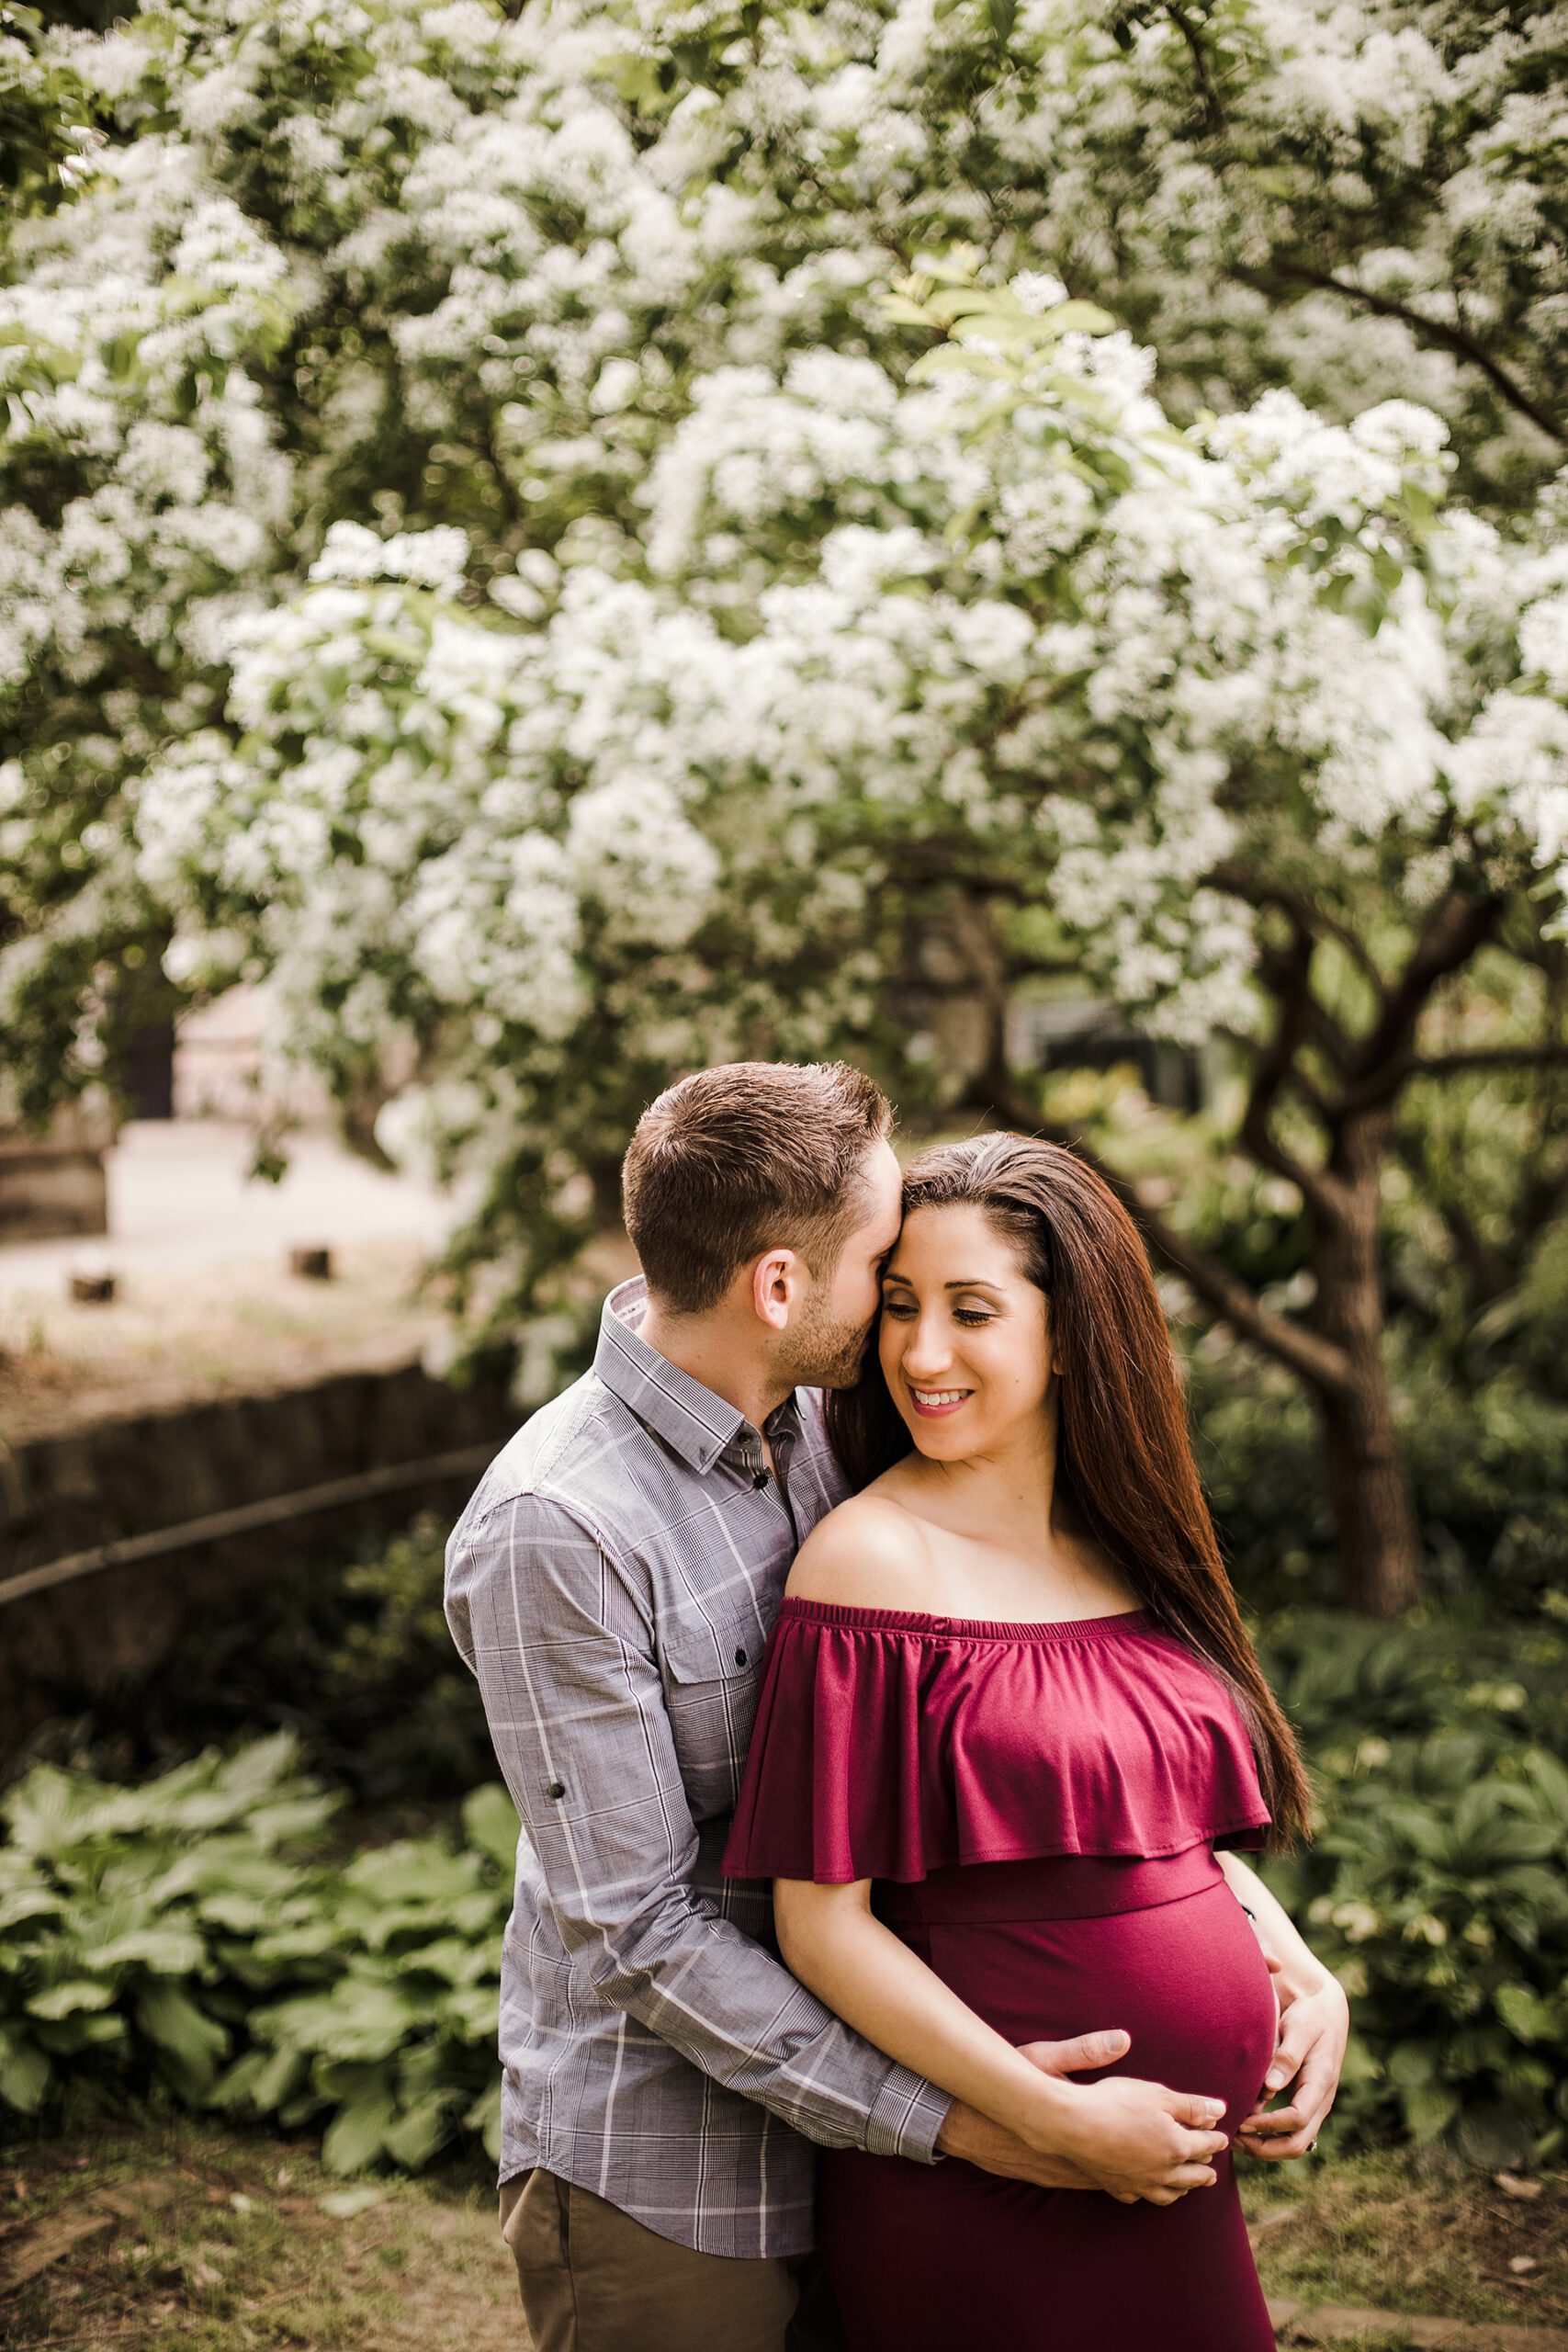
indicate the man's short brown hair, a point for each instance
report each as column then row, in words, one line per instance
column 741, row 1159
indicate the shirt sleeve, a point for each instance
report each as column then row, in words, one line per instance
column 577, row 1712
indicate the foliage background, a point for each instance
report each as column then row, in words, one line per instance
column 222, row 1935
column 578, row 540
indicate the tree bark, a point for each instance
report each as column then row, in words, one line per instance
column 1367, row 1485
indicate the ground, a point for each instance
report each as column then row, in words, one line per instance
column 255, row 2246
column 1403, row 2232
column 205, row 1304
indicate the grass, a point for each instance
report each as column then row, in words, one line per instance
column 248, row 2253
column 1413, row 2231
column 257, row 2248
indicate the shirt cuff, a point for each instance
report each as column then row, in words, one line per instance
column 905, row 2116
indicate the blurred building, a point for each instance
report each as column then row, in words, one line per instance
column 53, row 1185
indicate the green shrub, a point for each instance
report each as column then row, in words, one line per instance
column 183, row 1939
column 187, row 1940
column 1488, row 1461
column 1436, row 1887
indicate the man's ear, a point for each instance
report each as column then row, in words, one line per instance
column 776, row 1287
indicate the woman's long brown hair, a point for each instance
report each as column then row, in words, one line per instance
column 1124, row 1468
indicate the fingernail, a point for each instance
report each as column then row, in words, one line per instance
column 1275, row 2077
column 1216, row 2108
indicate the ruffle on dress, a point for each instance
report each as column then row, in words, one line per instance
column 889, row 1744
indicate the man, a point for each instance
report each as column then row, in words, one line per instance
column 612, row 1583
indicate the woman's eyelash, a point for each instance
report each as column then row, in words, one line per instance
column 901, row 1312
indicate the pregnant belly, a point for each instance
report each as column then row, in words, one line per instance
column 1181, row 1972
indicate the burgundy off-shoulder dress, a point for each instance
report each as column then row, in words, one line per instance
column 1038, row 1808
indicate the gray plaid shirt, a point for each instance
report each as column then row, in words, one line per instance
column 612, row 1585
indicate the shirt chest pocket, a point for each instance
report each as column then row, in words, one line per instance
column 712, row 1666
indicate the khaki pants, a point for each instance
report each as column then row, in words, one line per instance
column 594, row 2280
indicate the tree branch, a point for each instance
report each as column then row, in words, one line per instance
column 1254, row 890
column 1550, row 1055
column 1288, row 973
column 1456, row 927
column 1486, row 1266
column 1214, row 112
column 1452, row 338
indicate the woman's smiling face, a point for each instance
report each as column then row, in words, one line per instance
column 964, row 1340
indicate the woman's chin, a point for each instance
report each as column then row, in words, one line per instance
column 941, row 1439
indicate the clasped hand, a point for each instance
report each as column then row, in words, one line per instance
column 1137, row 2139
column 1134, row 2140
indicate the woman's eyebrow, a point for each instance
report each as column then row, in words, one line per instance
column 970, row 1282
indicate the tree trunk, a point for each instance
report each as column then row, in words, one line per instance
column 1368, row 1483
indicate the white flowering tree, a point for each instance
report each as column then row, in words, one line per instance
column 531, row 534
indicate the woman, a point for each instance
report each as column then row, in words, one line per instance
column 1011, row 1730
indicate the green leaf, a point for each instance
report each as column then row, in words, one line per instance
column 77, row 1993
column 1549, row 1775
column 83, row 2030
column 167, row 1950
column 489, row 1824
column 484, row 2117
column 902, row 312
column 1428, row 2110
column 1079, row 318
column 343, row 2204
column 24, row 2074
column 1526, row 2015
column 356, row 2134
column 192, row 2042
column 419, row 2131
column 949, row 355
column 24, row 1903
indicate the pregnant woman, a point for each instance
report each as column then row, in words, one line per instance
column 1011, row 1730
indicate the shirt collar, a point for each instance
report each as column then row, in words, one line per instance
column 698, row 1426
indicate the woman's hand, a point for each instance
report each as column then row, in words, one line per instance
column 1315, row 2025
column 1138, row 2139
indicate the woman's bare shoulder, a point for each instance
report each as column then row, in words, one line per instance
column 869, row 1554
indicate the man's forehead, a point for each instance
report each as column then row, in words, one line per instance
column 885, row 1211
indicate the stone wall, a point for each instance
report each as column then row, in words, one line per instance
column 61, row 1647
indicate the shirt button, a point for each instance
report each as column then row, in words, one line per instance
column 760, row 1478
column 739, row 1657
column 556, row 1789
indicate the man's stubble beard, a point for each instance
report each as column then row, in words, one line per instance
column 824, row 1354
